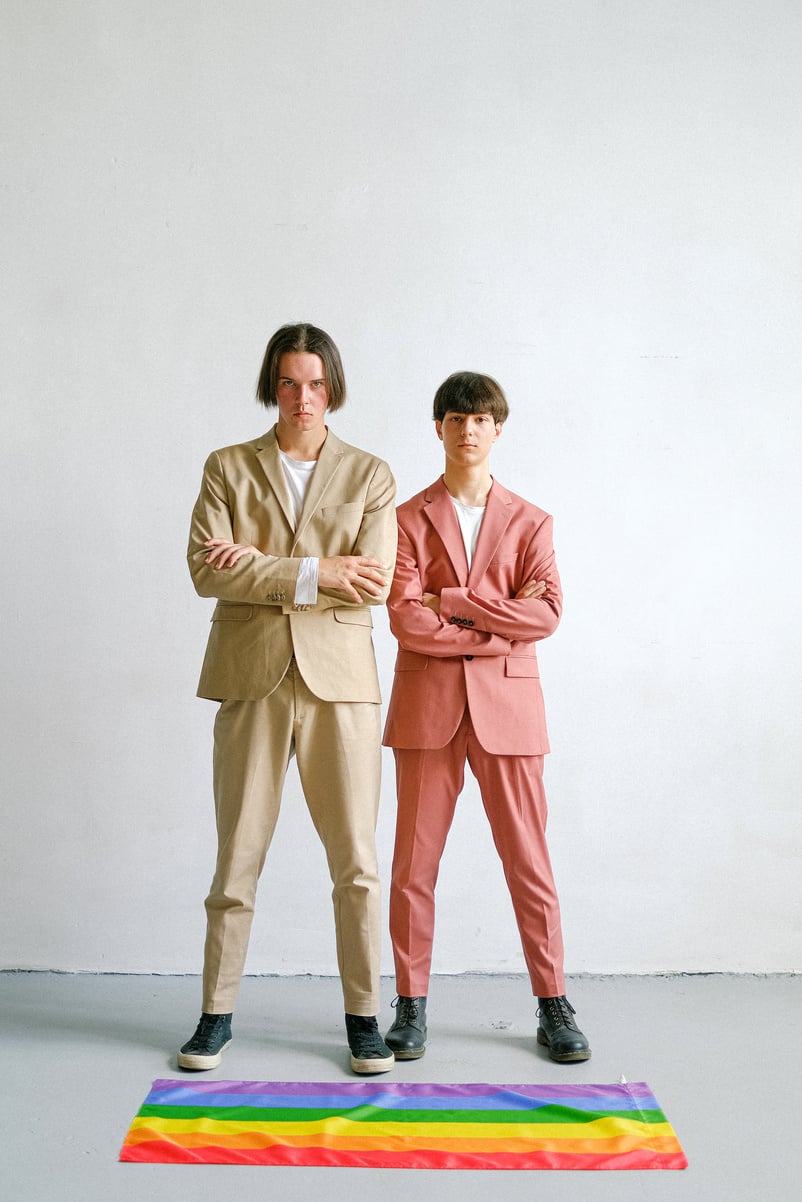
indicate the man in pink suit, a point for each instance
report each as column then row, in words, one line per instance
column 475, row 587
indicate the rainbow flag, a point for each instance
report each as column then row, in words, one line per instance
column 403, row 1126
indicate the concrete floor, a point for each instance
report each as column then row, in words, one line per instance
column 723, row 1054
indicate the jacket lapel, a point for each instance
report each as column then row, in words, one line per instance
column 440, row 512
column 330, row 459
column 495, row 521
column 328, row 464
column 268, row 455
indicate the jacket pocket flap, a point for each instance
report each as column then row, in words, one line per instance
column 521, row 665
column 345, row 508
column 232, row 612
column 411, row 661
column 356, row 616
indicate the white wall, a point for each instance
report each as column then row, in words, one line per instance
column 599, row 204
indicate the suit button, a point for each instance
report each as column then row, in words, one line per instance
column 469, row 657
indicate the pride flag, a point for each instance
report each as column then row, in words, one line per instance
column 405, row 1126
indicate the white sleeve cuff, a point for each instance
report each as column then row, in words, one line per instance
column 306, row 585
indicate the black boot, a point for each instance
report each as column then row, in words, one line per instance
column 558, row 1032
column 369, row 1053
column 205, row 1048
column 407, row 1036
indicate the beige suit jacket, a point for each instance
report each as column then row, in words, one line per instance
column 256, row 626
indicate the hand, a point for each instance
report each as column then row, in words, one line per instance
column 347, row 573
column 225, row 554
column 533, row 588
column 432, row 601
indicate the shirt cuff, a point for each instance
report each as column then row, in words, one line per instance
column 306, row 584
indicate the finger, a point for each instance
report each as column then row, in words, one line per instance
column 365, row 586
column 370, row 583
column 370, row 577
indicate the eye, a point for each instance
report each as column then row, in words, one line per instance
column 318, row 383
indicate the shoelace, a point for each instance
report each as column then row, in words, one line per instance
column 559, row 1010
column 407, row 1008
column 367, row 1041
column 206, row 1027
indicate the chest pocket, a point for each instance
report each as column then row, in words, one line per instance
column 337, row 528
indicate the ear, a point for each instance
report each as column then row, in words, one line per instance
column 438, row 425
column 499, row 428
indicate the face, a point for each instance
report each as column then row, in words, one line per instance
column 467, row 437
column 301, row 392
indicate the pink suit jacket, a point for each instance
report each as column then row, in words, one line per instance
column 480, row 650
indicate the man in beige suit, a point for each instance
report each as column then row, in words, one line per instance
column 295, row 535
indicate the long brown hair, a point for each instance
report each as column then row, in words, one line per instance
column 312, row 341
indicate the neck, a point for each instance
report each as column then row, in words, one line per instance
column 301, row 444
column 470, row 486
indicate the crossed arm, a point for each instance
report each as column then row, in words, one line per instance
column 481, row 621
column 232, row 570
column 352, row 575
column 534, row 588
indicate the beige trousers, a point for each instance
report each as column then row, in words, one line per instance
column 337, row 747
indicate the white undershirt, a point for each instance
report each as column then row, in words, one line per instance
column 470, row 520
column 298, row 473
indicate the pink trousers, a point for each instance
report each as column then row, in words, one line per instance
column 428, row 785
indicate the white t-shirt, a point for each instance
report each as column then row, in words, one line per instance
column 298, row 473
column 470, row 521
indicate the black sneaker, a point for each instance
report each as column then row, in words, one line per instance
column 205, row 1048
column 407, row 1036
column 369, row 1052
column 558, row 1032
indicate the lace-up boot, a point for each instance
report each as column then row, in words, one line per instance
column 205, row 1048
column 369, row 1052
column 407, row 1036
column 558, row 1032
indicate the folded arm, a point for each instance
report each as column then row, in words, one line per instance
column 363, row 577
column 221, row 566
column 415, row 624
column 532, row 613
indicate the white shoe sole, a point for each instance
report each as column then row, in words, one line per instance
column 382, row 1065
column 199, row 1063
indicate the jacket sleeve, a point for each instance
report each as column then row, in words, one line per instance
column 418, row 628
column 376, row 539
column 260, row 580
column 525, row 620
